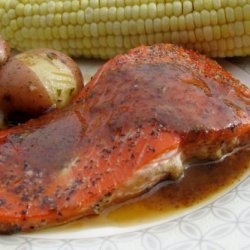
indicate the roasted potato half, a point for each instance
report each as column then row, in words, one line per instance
column 34, row 81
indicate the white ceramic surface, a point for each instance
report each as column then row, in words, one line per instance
column 223, row 223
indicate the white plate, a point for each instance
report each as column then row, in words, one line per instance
column 223, row 223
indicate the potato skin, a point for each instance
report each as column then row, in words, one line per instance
column 22, row 88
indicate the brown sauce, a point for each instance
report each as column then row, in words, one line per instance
column 200, row 183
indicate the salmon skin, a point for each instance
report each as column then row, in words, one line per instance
column 142, row 116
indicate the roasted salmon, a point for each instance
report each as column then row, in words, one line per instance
column 142, row 117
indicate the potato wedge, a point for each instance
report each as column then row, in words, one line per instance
column 34, row 81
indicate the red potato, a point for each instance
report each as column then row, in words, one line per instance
column 36, row 80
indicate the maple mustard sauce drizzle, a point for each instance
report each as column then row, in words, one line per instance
column 199, row 185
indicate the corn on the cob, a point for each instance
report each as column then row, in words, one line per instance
column 103, row 28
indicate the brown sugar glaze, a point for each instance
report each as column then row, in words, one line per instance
column 199, row 185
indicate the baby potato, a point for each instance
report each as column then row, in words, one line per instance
column 37, row 80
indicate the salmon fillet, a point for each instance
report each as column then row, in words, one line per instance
column 142, row 117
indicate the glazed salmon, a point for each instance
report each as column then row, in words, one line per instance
column 141, row 118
